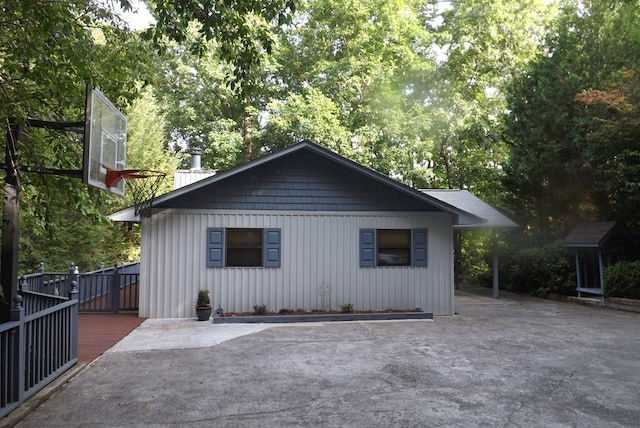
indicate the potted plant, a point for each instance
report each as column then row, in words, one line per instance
column 203, row 305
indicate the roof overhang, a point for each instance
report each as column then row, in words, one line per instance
column 127, row 215
column 467, row 201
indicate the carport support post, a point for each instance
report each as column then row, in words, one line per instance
column 496, row 281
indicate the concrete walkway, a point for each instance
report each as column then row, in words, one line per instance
column 512, row 362
column 180, row 333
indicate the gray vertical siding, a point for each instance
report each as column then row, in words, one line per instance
column 316, row 248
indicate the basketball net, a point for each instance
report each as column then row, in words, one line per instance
column 142, row 184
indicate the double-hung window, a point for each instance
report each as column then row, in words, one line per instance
column 243, row 247
column 393, row 247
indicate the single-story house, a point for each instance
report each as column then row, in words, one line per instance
column 301, row 228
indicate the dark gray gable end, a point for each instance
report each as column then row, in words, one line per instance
column 302, row 177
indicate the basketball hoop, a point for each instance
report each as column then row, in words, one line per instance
column 142, row 183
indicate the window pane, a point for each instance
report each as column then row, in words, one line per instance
column 243, row 257
column 394, row 238
column 244, row 237
column 393, row 257
column 244, row 247
column 394, row 247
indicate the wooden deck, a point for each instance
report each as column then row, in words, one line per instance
column 98, row 332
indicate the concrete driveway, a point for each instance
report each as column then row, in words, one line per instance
column 513, row 362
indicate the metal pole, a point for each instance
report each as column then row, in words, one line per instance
column 457, row 257
column 578, row 273
column 601, row 269
column 496, row 281
column 10, row 222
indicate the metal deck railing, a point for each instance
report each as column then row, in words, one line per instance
column 40, row 342
column 37, row 345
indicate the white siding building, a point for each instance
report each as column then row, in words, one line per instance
column 317, row 249
column 302, row 228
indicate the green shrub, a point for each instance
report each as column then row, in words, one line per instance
column 474, row 262
column 346, row 308
column 540, row 270
column 260, row 309
column 622, row 280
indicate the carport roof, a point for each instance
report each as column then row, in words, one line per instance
column 468, row 202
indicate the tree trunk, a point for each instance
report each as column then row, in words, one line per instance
column 246, row 137
column 447, row 165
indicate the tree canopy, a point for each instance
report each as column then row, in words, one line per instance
column 562, row 164
column 532, row 105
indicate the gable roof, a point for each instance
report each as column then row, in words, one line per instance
column 467, row 201
column 596, row 234
column 427, row 201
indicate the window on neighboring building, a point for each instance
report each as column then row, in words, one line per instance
column 393, row 247
column 243, row 247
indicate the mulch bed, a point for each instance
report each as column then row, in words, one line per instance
column 313, row 312
column 319, row 316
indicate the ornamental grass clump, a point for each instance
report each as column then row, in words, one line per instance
column 346, row 308
column 260, row 309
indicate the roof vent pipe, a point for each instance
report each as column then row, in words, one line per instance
column 196, row 155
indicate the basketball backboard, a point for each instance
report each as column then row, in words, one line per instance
column 105, row 142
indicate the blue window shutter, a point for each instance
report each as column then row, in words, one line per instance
column 215, row 247
column 420, row 246
column 367, row 247
column 272, row 247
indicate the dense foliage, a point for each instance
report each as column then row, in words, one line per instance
column 570, row 121
column 532, row 105
column 623, row 280
column 539, row 267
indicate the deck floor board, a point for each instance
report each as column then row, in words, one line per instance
column 98, row 332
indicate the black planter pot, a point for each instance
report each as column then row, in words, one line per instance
column 203, row 313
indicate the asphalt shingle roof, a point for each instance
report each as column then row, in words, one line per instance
column 591, row 234
column 468, row 202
